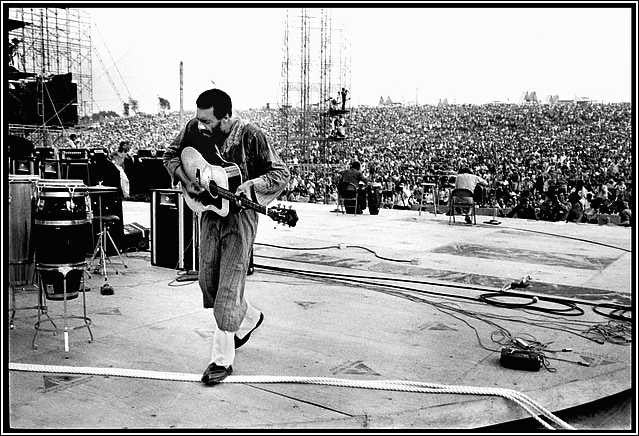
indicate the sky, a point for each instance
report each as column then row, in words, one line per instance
column 466, row 55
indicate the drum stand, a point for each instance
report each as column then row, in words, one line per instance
column 13, row 287
column 101, row 245
column 42, row 308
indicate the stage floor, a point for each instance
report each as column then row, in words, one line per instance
column 319, row 326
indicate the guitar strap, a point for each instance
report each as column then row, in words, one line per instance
column 232, row 141
column 253, row 194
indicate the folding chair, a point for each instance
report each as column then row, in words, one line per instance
column 462, row 198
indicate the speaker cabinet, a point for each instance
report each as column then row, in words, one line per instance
column 174, row 231
column 53, row 101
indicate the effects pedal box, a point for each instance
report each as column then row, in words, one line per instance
column 516, row 358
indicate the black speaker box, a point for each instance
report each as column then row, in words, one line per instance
column 53, row 101
column 61, row 101
column 153, row 171
column 174, row 233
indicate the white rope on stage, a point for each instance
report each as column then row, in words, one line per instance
column 529, row 405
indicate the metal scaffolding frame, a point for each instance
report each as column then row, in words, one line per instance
column 56, row 41
column 311, row 79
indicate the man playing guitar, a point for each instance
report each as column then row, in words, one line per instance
column 243, row 169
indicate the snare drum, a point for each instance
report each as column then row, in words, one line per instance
column 21, row 194
column 62, row 224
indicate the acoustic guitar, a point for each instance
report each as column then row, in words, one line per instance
column 220, row 179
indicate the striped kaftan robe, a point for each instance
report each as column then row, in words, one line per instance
column 225, row 243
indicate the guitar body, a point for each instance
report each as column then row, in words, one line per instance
column 220, row 180
column 223, row 174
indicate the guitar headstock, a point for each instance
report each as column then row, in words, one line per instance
column 283, row 215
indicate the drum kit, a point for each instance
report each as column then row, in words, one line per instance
column 50, row 223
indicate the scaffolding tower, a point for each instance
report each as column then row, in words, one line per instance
column 56, row 41
column 315, row 67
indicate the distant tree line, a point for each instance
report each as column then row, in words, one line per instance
column 98, row 117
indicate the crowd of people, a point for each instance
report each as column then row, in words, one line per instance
column 550, row 162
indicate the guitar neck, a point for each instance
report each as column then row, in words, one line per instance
column 225, row 193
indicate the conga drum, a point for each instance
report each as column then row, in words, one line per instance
column 21, row 264
column 62, row 234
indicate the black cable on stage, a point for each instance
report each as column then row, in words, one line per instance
column 569, row 237
column 618, row 313
column 512, row 341
column 333, row 246
column 492, row 299
column 576, row 311
column 617, row 332
column 376, row 255
column 439, row 305
column 184, row 277
column 347, row 277
column 557, row 300
column 570, row 310
column 297, row 248
column 420, row 282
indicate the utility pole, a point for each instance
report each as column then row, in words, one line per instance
column 181, row 92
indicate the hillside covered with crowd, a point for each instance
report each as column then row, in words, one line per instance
column 543, row 161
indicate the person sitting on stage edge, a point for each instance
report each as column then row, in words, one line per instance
column 225, row 243
column 465, row 184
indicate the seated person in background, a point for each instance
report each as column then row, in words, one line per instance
column 590, row 213
column 553, row 208
column 352, row 175
column 524, row 208
column 479, row 194
column 387, row 192
column 349, row 181
column 418, row 194
column 625, row 215
column 576, row 209
column 465, row 184
column 402, row 196
column 602, row 201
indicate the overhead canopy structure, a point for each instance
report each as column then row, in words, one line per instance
column 15, row 24
column 14, row 74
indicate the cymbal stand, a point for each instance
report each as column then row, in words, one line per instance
column 104, row 237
